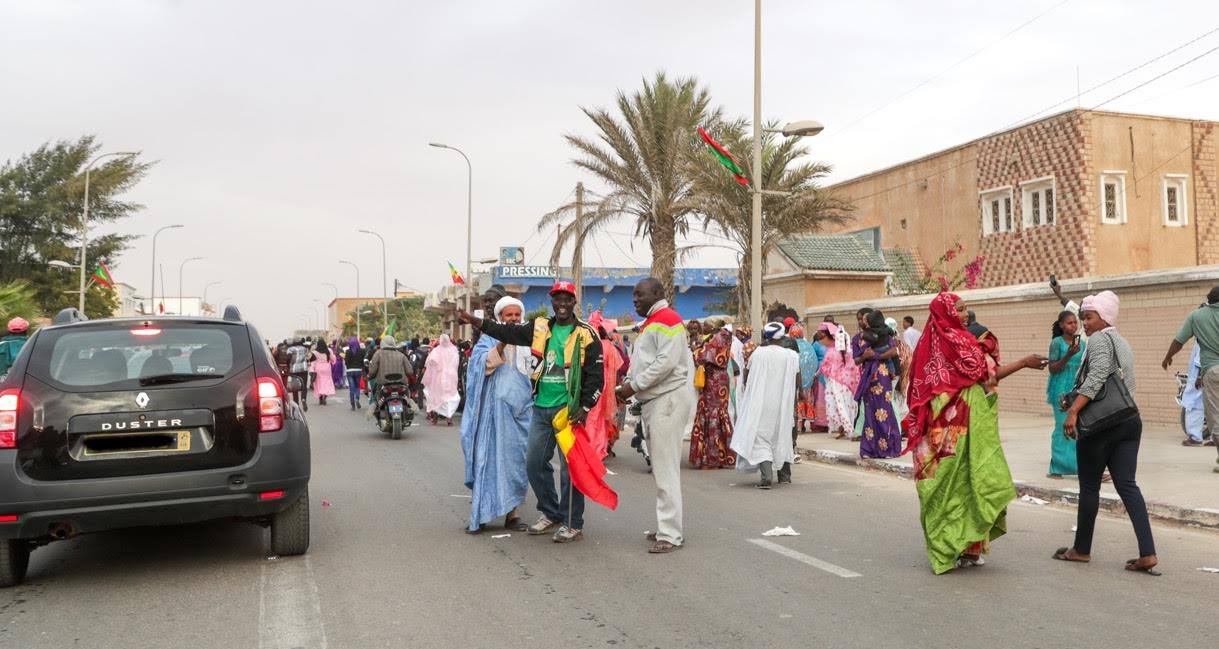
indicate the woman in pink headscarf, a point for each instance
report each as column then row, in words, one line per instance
column 440, row 381
column 841, row 378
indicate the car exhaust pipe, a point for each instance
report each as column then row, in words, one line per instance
column 62, row 531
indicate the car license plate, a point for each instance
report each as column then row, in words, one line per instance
column 164, row 441
column 395, row 408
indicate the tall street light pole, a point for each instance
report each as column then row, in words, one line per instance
column 384, row 275
column 209, row 285
column 469, row 215
column 792, row 129
column 182, row 266
column 152, row 291
column 358, row 304
column 84, row 222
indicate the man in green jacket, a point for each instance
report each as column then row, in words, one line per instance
column 10, row 345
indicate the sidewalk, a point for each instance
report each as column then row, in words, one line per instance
column 1177, row 481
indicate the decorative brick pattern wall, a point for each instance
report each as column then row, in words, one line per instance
column 1206, row 192
column 1057, row 147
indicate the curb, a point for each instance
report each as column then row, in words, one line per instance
column 1194, row 517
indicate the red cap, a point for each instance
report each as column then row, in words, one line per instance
column 563, row 286
column 789, row 321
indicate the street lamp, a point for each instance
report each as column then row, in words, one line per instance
column 321, row 320
column 84, row 222
column 792, row 129
column 152, row 292
column 55, row 263
column 209, row 285
column 357, row 294
column 384, row 275
column 469, row 213
column 181, row 266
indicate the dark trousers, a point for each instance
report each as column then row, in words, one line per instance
column 540, row 450
column 1117, row 449
column 767, row 469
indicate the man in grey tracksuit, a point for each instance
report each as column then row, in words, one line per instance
column 659, row 377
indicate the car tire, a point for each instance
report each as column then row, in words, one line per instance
column 290, row 529
column 14, row 560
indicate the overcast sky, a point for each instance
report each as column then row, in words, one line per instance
column 281, row 127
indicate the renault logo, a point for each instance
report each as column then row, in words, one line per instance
column 141, row 400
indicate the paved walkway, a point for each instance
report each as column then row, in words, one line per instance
column 1178, row 481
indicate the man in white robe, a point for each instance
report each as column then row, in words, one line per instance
column 762, row 436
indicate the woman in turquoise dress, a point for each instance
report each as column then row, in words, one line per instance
column 1066, row 355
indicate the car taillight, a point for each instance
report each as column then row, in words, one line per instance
column 270, row 406
column 9, row 401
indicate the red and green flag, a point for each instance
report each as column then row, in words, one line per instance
column 457, row 278
column 725, row 158
column 102, row 276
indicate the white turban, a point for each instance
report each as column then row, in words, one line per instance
column 773, row 331
column 507, row 301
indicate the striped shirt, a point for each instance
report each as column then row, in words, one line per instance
column 1100, row 362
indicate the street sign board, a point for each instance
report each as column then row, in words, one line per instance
column 511, row 255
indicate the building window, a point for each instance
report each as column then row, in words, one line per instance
column 1113, row 197
column 997, row 211
column 1037, row 202
column 1173, row 204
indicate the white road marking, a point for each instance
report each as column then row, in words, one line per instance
column 289, row 610
column 805, row 559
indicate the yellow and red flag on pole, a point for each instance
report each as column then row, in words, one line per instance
column 585, row 467
column 457, row 278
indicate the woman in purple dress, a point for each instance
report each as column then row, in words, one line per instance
column 873, row 349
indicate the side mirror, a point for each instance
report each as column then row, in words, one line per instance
column 294, row 384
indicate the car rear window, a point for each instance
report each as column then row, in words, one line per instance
column 139, row 356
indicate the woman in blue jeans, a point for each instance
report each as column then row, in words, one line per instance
column 354, row 360
column 1116, row 447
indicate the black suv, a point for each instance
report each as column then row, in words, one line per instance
column 128, row 422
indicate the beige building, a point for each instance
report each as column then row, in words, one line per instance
column 1080, row 194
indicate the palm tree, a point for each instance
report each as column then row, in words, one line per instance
column 17, row 299
column 726, row 207
column 641, row 158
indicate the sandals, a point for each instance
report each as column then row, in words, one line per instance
column 1061, row 555
column 473, row 532
column 662, row 547
column 1133, row 566
column 515, row 524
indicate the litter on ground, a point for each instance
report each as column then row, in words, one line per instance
column 781, row 531
column 1031, row 499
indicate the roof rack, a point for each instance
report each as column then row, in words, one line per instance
column 232, row 314
column 68, row 316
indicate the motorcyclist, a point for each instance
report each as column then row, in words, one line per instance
column 386, row 361
column 298, row 366
column 11, row 344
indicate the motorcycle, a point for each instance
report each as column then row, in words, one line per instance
column 392, row 411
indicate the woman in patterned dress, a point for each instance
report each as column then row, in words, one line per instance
column 882, row 433
column 841, row 377
column 712, row 432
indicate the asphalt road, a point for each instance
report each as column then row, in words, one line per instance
column 390, row 567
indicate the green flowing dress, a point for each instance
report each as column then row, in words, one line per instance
column 966, row 502
column 1062, row 450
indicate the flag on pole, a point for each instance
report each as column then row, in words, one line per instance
column 391, row 329
column 584, row 464
column 457, row 278
column 102, row 276
column 725, row 158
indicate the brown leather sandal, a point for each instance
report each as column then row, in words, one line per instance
column 662, row 547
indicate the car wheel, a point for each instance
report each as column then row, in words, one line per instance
column 14, row 560
column 290, row 529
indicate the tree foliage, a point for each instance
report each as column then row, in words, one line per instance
column 408, row 312
column 639, row 154
column 17, row 300
column 41, row 204
column 726, row 208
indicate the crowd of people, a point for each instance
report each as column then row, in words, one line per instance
column 741, row 400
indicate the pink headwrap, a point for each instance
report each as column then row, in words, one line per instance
column 1104, row 304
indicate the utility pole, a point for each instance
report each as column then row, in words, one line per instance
column 577, row 256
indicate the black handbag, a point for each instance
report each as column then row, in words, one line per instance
column 1111, row 406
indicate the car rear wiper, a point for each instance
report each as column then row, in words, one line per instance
column 161, row 379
